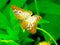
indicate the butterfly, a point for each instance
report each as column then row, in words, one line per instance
column 28, row 21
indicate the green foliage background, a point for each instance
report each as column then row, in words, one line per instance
column 10, row 28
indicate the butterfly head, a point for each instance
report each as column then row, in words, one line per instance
column 18, row 12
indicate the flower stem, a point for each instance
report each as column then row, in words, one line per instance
column 36, row 6
column 26, row 8
column 47, row 34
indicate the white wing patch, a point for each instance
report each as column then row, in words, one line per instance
column 31, row 21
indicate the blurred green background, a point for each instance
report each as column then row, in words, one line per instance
column 48, row 9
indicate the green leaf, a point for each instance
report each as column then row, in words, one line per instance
column 13, row 19
column 3, row 20
column 2, row 3
column 12, row 33
column 2, row 43
column 26, row 32
column 24, row 35
column 42, row 21
column 4, row 36
column 54, row 26
column 13, row 43
column 27, row 40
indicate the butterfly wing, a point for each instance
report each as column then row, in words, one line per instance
column 20, row 13
column 31, row 23
column 33, row 30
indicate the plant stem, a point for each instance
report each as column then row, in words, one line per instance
column 47, row 34
column 26, row 8
column 36, row 6
column 37, row 41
